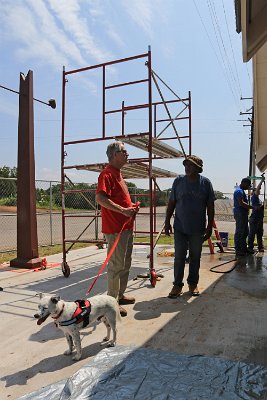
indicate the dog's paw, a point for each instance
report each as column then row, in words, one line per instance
column 111, row 344
column 67, row 352
column 106, row 339
column 77, row 357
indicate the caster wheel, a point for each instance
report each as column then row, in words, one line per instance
column 153, row 278
column 65, row 269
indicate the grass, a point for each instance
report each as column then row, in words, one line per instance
column 43, row 251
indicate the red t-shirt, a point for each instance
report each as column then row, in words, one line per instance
column 111, row 182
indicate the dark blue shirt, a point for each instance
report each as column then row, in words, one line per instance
column 191, row 201
column 256, row 202
column 238, row 195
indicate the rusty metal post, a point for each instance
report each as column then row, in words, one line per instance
column 27, row 242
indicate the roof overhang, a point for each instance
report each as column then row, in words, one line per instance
column 251, row 17
column 260, row 107
column 251, row 20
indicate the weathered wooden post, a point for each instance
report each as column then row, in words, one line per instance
column 27, row 241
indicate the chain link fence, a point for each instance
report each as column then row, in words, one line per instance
column 83, row 220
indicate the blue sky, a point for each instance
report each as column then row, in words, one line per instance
column 194, row 48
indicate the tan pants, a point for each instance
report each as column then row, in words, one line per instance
column 119, row 263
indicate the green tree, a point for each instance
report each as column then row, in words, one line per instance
column 8, row 187
column 219, row 195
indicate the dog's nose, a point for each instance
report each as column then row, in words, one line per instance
column 36, row 316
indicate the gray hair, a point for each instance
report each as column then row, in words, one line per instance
column 113, row 148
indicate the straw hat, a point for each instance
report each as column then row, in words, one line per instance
column 195, row 160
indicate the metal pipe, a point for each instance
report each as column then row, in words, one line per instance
column 106, row 64
column 150, row 127
column 51, row 209
column 51, row 103
column 62, row 163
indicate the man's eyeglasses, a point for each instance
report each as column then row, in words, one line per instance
column 122, row 151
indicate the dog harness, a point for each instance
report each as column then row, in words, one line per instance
column 81, row 314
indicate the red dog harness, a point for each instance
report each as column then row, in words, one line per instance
column 81, row 314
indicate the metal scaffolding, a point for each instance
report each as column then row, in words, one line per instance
column 152, row 140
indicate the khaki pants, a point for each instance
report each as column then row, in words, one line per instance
column 119, row 263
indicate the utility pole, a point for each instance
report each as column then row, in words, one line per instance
column 250, row 111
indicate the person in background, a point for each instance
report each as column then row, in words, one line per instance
column 117, row 209
column 241, row 211
column 256, row 219
column 192, row 197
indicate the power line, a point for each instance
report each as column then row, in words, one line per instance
column 221, row 46
column 233, row 54
column 212, row 46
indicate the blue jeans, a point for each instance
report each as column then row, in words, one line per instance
column 241, row 232
column 184, row 242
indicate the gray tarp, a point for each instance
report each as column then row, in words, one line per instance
column 126, row 373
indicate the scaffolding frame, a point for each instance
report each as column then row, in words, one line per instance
column 150, row 140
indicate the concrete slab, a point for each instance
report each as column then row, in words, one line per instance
column 227, row 320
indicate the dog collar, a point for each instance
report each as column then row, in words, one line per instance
column 59, row 313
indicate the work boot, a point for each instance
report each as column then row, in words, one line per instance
column 193, row 289
column 175, row 292
column 240, row 254
column 123, row 312
column 250, row 251
column 124, row 300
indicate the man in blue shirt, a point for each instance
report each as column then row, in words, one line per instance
column 256, row 219
column 241, row 210
column 192, row 197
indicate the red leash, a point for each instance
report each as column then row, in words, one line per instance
column 111, row 251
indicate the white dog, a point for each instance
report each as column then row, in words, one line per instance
column 72, row 316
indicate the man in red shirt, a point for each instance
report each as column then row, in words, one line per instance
column 117, row 209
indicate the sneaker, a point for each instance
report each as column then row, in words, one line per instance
column 175, row 292
column 126, row 300
column 123, row 312
column 193, row 290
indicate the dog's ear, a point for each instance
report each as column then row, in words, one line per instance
column 55, row 299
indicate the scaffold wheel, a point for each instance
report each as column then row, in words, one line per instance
column 65, row 269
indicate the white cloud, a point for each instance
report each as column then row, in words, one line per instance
column 146, row 12
column 115, row 37
column 36, row 34
column 52, row 36
column 140, row 12
column 70, row 15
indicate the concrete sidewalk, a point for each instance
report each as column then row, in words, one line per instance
column 227, row 320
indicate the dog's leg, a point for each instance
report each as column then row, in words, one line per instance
column 70, row 343
column 105, row 321
column 77, row 343
column 114, row 333
column 110, row 323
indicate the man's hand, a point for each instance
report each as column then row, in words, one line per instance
column 130, row 211
column 137, row 207
column 207, row 234
column 167, row 228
